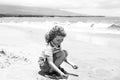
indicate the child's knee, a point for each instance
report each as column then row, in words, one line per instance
column 62, row 54
column 65, row 53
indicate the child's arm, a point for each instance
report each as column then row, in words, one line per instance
column 71, row 64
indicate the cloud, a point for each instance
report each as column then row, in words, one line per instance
column 104, row 4
column 55, row 3
column 104, row 7
column 102, row 12
column 109, row 4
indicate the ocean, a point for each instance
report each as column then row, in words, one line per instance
column 115, row 20
column 93, row 24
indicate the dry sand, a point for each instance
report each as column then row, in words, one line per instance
column 96, row 55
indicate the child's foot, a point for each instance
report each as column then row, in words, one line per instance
column 54, row 73
column 62, row 69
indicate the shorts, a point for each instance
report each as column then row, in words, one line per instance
column 45, row 67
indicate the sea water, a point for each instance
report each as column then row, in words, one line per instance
column 73, row 22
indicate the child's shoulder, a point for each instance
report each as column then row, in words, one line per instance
column 47, row 48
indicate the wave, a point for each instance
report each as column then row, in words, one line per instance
column 114, row 26
column 93, row 27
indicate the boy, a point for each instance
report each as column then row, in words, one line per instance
column 53, row 54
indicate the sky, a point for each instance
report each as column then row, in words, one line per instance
column 90, row 7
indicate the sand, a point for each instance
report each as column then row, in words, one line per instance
column 20, row 47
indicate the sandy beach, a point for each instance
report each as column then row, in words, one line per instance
column 97, row 55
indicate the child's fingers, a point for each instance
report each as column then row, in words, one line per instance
column 64, row 76
column 75, row 67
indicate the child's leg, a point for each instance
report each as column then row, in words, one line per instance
column 60, row 57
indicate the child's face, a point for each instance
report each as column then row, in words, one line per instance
column 58, row 40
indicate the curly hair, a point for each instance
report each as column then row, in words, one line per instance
column 55, row 31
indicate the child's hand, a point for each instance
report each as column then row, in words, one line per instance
column 74, row 66
column 64, row 76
